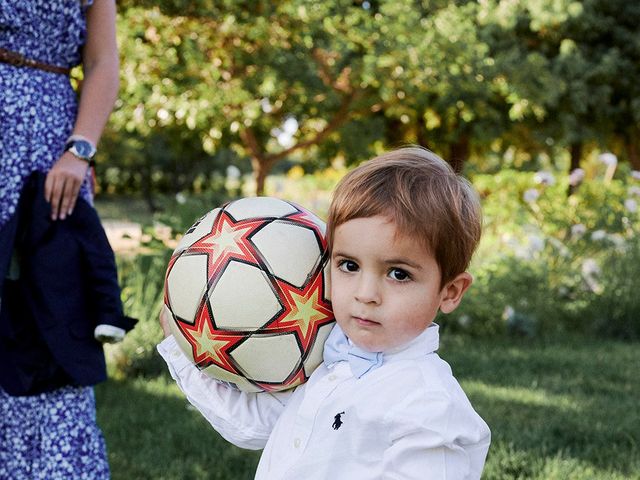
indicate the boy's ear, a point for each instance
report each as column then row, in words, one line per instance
column 453, row 292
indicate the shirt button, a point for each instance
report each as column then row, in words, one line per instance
column 175, row 354
column 331, row 378
column 296, row 443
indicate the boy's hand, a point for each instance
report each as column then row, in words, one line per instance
column 165, row 316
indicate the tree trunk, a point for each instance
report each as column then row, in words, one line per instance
column 261, row 168
column 576, row 157
column 147, row 185
column 633, row 153
column 421, row 134
column 394, row 132
column 459, row 153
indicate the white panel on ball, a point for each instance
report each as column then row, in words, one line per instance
column 326, row 276
column 253, row 207
column 319, row 222
column 186, row 284
column 198, row 231
column 242, row 299
column 280, row 242
column 314, row 358
column 268, row 358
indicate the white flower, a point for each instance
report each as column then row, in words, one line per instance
column 508, row 312
column 181, row 198
column 598, row 235
column 634, row 190
column 578, row 230
column 590, row 270
column 464, row 320
column 576, row 176
column 266, row 105
column 590, row 267
column 631, row 205
column 609, row 159
column 531, row 195
column 635, row 174
column 536, row 243
column 617, row 240
column 544, row 178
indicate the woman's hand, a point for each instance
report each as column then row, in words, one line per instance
column 63, row 184
column 165, row 316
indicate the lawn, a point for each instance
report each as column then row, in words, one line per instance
column 558, row 410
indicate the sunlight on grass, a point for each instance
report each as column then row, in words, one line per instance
column 517, row 395
column 159, row 387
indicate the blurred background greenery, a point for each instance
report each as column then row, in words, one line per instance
column 535, row 102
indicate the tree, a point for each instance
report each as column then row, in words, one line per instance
column 570, row 66
column 265, row 79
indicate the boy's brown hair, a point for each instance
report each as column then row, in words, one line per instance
column 422, row 194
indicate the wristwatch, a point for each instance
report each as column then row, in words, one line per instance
column 82, row 149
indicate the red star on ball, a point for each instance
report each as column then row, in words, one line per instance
column 227, row 240
column 305, row 310
column 209, row 346
column 298, row 379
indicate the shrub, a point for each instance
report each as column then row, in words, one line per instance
column 141, row 280
column 552, row 263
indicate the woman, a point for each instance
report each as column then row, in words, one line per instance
column 49, row 430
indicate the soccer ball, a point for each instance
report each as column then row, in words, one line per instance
column 247, row 287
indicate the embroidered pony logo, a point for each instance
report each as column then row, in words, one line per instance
column 337, row 421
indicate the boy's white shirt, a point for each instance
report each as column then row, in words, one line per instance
column 407, row 419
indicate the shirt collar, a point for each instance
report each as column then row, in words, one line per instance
column 425, row 343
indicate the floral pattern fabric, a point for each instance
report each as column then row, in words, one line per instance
column 37, row 108
column 51, row 436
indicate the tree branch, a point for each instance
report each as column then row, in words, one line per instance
column 339, row 118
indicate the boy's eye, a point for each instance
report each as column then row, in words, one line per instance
column 399, row 275
column 348, row 266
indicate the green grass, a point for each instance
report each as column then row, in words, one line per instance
column 558, row 410
column 153, row 433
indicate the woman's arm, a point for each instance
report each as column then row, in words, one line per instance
column 99, row 91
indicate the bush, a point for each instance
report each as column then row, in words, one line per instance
column 552, row 263
column 142, row 281
column 614, row 311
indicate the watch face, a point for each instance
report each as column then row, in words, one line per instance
column 83, row 148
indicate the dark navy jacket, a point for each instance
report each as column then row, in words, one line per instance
column 67, row 285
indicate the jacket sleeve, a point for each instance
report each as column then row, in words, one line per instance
column 244, row 419
column 100, row 268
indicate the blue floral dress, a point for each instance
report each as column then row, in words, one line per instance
column 51, row 435
column 37, row 108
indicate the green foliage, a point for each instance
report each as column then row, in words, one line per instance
column 550, row 263
column 142, row 281
column 208, row 84
column 614, row 312
column 568, row 68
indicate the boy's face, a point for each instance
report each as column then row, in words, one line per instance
column 385, row 287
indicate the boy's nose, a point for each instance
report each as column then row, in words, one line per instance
column 368, row 291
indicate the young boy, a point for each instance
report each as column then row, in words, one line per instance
column 402, row 229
